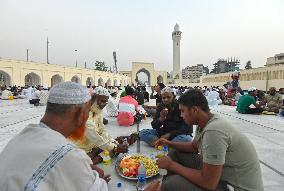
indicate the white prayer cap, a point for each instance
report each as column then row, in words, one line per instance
column 101, row 91
column 236, row 73
column 251, row 89
column 68, row 93
column 167, row 89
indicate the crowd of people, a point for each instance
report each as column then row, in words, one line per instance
column 72, row 136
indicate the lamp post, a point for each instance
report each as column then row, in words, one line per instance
column 47, row 42
column 76, row 58
column 115, row 61
column 27, row 55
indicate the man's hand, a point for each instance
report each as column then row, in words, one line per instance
column 107, row 178
column 99, row 170
column 153, row 186
column 163, row 142
column 121, row 148
column 166, row 136
column 163, row 114
column 165, row 162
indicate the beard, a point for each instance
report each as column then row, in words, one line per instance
column 79, row 134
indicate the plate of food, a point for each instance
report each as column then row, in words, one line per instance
column 127, row 166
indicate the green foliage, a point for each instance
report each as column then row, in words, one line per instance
column 248, row 65
column 101, row 66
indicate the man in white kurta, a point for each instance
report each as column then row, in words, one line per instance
column 40, row 151
column 41, row 158
column 112, row 105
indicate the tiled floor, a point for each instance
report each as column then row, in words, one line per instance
column 266, row 132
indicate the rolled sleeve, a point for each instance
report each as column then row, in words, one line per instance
column 100, row 139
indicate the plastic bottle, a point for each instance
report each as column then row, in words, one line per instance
column 141, row 182
column 164, row 152
column 106, row 162
column 106, row 158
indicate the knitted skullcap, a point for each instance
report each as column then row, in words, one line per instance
column 252, row 89
column 68, row 93
column 101, row 91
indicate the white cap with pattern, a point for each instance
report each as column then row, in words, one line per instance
column 252, row 89
column 101, row 91
column 68, row 93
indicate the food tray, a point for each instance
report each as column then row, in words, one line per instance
column 118, row 169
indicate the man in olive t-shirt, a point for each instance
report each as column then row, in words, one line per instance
column 219, row 158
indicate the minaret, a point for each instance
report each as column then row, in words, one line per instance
column 176, row 36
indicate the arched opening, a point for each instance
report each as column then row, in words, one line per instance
column 115, row 82
column 100, row 82
column 109, row 82
column 143, row 77
column 5, row 79
column 89, row 81
column 121, row 84
column 160, row 79
column 56, row 79
column 75, row 79
column 32, row 79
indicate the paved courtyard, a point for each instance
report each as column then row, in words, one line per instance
column 266, row 132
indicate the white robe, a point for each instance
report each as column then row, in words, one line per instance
column 213, row 98
column 112, row 107
column 42, row 158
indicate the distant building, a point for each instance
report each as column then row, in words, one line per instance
column 223, row 66
column 277, row 59
column 193, row 73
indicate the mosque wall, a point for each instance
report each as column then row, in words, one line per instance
column 32, row 73
column 261, row 78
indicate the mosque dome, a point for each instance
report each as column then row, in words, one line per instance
column 176, row 27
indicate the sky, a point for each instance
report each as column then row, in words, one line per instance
column 141, row 31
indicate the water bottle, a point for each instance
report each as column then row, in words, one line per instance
column 106, row 161
column 106, row 158
column 141, row 182
column 164, row 152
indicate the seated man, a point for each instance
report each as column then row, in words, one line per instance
column 167, row 122
column 151, row 110
column 246, row 101
column 219, row 158
column 48, row 160
column 213, row 98
column 97, row 138
column 127, row 108
column 5, row 93
column 273, row 101
column 146, row 94
column 35, row 96
column 112, row 105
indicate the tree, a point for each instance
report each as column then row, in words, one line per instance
column 101, row 66
column 206, row 69
column 248, row 65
